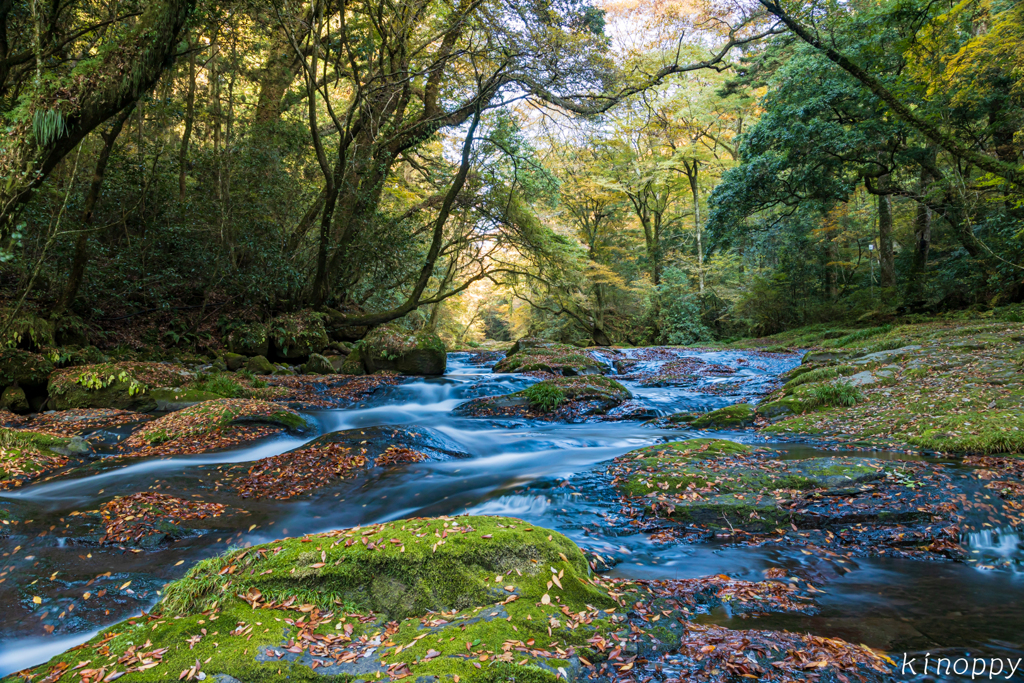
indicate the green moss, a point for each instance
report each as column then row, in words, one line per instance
column 818, row 375
column 739, row 415
column 443, row 582
column 297, row 335
column 389, row 347
column 122, row 385
column 559, row 359
column 249, row 339
column 353, row 364
column 987, row 431
column 215, row 414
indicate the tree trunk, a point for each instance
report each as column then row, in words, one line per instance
column 922, row 245
column 89, row 95
column 279, row 73
column 887, row 276
column 190, row 110
column 695, row 192
column 81, row 257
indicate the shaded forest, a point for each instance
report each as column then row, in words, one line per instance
column 627, row 172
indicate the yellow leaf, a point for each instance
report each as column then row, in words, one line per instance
column 544, row 599
column 38, row 600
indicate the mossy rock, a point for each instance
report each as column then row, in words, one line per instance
column 317, row 365
column 27, row 331
column 783, row 407
column 259, row 365
column 123, row 385
column 86, row 355
column 208, row 416
column 250, row 339
column 561, row 398
column 234, row 361
column 14, row 400
column 389, row 347
column 730, row 417
column 293, row 337
column 445, row 583
column 28, row 370
column 353, row 364
column 558, row 359
column 26, row 455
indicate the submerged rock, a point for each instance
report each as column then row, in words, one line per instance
column 868, row 505
column 409, row 353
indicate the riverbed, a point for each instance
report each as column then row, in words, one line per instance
column 544, row 472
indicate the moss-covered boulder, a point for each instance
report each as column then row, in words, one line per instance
column 353, row 364
column 196, row 426
column 721, row 485
column 249, row 339
column 234, row 361
column 124, row 385
column 27, row 455
column 559, row 359
column 478, row 598
column 293, row 337
column 561, row 398
column 389, row 347
column 26, row 330
column 259, row 365
column 317, row 365
column 730, row 417
column 27, row 370
column 14, row 400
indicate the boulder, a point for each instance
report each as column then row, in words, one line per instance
column 234, row 361
column 14, row 400
column 561, row 398
column 317, row 365
column 29, row 370
column 409, row 353
column 249, row 339
column 123, row 385
column 352, row 364
column 730, row 417
column 259, row 365
column 293, row 337
column 558, row 359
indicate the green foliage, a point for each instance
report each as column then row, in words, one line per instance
column 544, row 397
column 836, row 394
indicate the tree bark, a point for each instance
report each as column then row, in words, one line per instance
column 190, row 110
column 887, row 275
column 81, row 257
column 922, row 245
column 92, row 93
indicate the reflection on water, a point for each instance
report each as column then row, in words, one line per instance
column 538, row 471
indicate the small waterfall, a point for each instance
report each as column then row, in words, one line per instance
column 1003, row 542
column 513, row 506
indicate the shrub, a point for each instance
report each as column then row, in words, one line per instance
column 839, row 394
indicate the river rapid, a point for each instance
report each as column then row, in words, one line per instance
column 545, row 473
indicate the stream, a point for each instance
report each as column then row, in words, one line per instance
column 539, row 471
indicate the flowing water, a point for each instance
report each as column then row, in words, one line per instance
column 539, row 471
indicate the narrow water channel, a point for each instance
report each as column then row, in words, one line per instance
column 543, row 472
